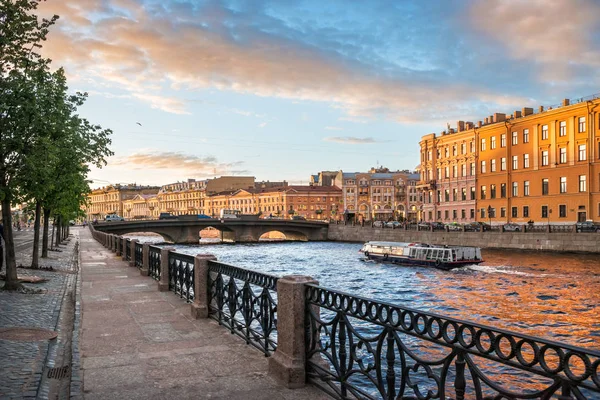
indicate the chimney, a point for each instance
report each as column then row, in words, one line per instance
column 451, row 130
column 499, row 117
column 469, row 125
column 517, row 114
column 460, row 126
column 565, row 102
column 486, row 121
column 479, row 124
column 541, row 108
column 527, row 111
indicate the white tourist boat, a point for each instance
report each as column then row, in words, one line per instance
column 422, row 254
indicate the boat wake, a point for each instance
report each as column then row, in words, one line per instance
column 499, row 269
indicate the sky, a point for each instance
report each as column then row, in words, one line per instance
column 280, row 90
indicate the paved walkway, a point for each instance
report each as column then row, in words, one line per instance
column 138, row 343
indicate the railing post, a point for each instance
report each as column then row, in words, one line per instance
column 145, row 270
column 199, row 307
column 288, row 363
column 460, row 383
column 118, row 246
column 163, row 283
column 124, row 249
column 113, row 243
column 132, row 252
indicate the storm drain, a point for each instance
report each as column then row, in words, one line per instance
column 59, row 372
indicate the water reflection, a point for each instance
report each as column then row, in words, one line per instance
column 549, row 295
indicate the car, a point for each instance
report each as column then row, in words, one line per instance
column 203, row 216
column 166, row 215
column 378, row 224
column 298, row 218
column 113, row 217
column 511, row 227
column 587, row 226
column 472, row 227
column 454, row 226
column 438, row 226
column 393, row 224
column 72, row 222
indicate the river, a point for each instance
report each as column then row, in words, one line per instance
column 549, row 295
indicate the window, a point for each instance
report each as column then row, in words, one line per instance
column 582, row 152
column 463, row 148
column 463, row 213
column 483, row 192
column 446, row 214
column 455, row 171
column 446, row 172
column 454, row 150
column 464, row 194
column 439, row 196
column 544, row 132
column 472, row 194
column 503, row 140
column 581, row 124
column 525, row 135
column 447, row 195
column 503, row 190
column 482, row 167
column 446, row 152
column 582, row 183
column 563, row 184
column 525, row 211
column 472, row 213
column 493, row 142
column 454, row 215
column 473, row 147
column 515, row 162
column 544, row 186
column 483, row 213
column 493, row 165
column 544, row 157
column 439, row 217
column 562, row 155
column 563, row 128
column 525, row 160
column 464, row 170
column 472, row 169
column 514, row 212
column 515, row 138
column 454, row 194
column 544, row 211
column 526, row 188
column 482, row 144
column 515, row 189
column 503, row 164
column 492, row 191
column 562, row 210
column 502, row 212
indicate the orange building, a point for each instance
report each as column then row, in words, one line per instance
column 539, row 166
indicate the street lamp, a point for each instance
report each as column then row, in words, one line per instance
column 489, row 210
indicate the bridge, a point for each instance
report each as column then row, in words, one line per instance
column 232, row 230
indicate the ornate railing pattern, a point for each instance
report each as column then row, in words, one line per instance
column 128, row 250
column 245, row 302
column 181, row 275
column 139, row 250
column 562, row 228
column 154, row 258
column 361, row 348
column 537, row 228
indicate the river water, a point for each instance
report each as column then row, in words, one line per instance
column 549, row 295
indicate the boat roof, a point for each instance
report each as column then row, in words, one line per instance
column 415, row 244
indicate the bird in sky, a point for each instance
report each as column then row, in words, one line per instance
column 138, row 123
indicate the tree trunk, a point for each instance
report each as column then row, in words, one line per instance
column 35, row 257
column 45, row 233
column 58, row 223
column 12, row 282
column 53, row 232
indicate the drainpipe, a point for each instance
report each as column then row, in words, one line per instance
column 590, row 134
column 508, row 170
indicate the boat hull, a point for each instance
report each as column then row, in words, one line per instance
column 446, row 266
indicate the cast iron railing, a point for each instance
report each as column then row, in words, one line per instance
column 138, row 252
column 245, row 302
column 154, row 261
column 181, row 275
column 128, row 250
column 361, row 348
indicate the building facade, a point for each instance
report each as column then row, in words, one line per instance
column 110, row 199
column 541, row 167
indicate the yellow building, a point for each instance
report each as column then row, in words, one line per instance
column 529, row 166
column 142, row 206
column 109, row 199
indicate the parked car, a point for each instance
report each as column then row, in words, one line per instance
column 587, row 226
column 113, row 217
column 510, row 227
column 167, row 215
column 393, row 224
column 454, row 226
column 472, row 227
column 378, row 224
column 298, row 218
column 438, row 226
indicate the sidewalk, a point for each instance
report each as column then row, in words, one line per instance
column 138, row 343
column 29, row 324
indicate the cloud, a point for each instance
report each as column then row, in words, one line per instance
column 350, row 140
column 156, row 160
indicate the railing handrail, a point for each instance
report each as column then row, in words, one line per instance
column 455, row 320
column 256, row 278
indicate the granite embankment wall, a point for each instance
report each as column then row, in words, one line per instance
column 580, row 242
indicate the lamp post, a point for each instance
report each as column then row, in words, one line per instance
column 151, row 208
column 489, row 210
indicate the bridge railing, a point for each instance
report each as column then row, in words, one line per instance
column 127, row 249
column 138, row 253
column 356, row 347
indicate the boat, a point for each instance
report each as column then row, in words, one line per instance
column 422, row 254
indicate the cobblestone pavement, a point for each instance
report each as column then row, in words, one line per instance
column 139, row 343
column 22, row 362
